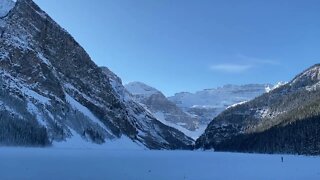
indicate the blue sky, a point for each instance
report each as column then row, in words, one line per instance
column 189, row 45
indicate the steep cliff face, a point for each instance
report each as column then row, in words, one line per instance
column 49, row 82
column 285, row 120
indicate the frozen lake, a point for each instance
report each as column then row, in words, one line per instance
column 55, row 163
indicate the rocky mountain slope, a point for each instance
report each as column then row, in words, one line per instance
column 52, row 90
column 285, row 120
column 163, row 109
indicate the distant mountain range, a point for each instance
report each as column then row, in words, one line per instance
column 208, row 103
column 192, row 112
column 285, row 120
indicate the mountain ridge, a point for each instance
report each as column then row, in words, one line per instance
column 268, row 123
column 58, row 90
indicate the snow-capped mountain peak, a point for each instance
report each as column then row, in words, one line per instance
column 308, row 77
column 141, row 89
column 209, row 103
column 219, row 97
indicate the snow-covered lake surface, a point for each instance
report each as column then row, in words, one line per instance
column 63, row 163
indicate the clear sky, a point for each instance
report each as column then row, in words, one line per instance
column 189, row 45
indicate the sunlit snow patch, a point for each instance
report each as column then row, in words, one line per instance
column 192, row 134
column 77, row 142
column 237, row 104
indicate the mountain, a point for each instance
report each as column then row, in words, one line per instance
column 208, row 103
column 163, row 109
column 285, row 120
column 5, row 7
column 52, row 91
column 141, row 91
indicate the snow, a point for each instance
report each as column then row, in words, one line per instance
column 141, row 92
column 44, row 59
column 5, row 7
column 9, row 109
column 77, row 142
column 33, row 98
column 55, row 163
column 209, row 103
column 77, row 106
column 141, row 89
column 314, row 87
column 220, row 97
column 312, row 73
column 42, row 14
column 34, row 95
column 35, row 111
column 267, row 113
column 237, row 104
column 20, row 41
column 117, row 86
column 192, row 134
column 71, row 87
column 279, row 84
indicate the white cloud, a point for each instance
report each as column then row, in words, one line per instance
column 231, row 68
column 242, row 63
column 256, row 60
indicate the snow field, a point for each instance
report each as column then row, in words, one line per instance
column 63, row 163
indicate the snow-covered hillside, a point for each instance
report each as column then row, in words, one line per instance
column 61, row 163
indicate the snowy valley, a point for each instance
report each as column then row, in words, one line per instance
column 192, row 112
column 63, row 116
